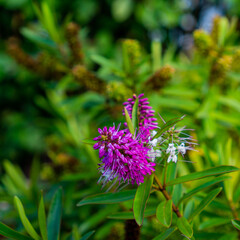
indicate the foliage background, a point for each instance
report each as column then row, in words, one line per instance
column 48, row 106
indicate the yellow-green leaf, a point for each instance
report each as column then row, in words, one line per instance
column 27, row 225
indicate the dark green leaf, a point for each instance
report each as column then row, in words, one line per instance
column 206, row 173
column 97, row 218
column 167, row 125
column 10, row 233
column 73, row 177
column 236, row 224
column 205, row 202
column 108, row 198
column 141, row 197
column 184, row 227
column 87, row 235
column 129, row 122
column 164, row 213
column 129, row 215
column 27, row 225
column 54, row 216
column 42, row 219
column 37, row 38
column 202, row 187
column 165, row 234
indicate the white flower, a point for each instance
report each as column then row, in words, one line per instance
column 152, row 154
column 172, row 158
column 153, row 133
column 154, row 142
column 182, row 148
column 171, row 149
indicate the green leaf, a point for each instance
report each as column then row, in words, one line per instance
column 213, row 222
column 96, row 218
column 165, row 234
column 54, row 216
column 108, row 198
column 74, row 177
column 135, row 114
column 10, row 233
column 27, row 225
column 156, row 52
column 129, row 215
column 87, row 235
column 129, row 122
column 42, row 219
column 164, row 213
column 202, row 187
column 75, row 232
column 206, row 173
column 16, row 176
column 167, row 125
column 236, row 224
column 205, row 202
column 49, row 22
column 37, row 38
column 88, row 141
column 104, row 62
column 184, row 227
column 141, row 197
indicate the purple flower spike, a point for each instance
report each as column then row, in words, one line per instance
column 146, row 112
column 122, row 157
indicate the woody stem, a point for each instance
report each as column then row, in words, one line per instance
column 167, row 196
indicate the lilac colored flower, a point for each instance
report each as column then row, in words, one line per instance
column 146, row 113
column 122, row 157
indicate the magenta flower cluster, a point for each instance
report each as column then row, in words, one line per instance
column 123, row 156
column 146, row 111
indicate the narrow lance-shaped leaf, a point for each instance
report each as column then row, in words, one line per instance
column 166, row 234
column 87, row 235
column 88, row 141
column 236, row 224
column 12, row 234
column 16, row 176
column 54, row 216
column 202, row 187
column 27, row 225
column 213, row 222
column 164, row 213
column 135, row 114
column 108, row 198
column 129, row 215
column 129, row 121
column 141, row 197
column 167, row 125
column 75, row 232
column 206, row 173
column 184, row 227
column 205, row 202
column 42, row 219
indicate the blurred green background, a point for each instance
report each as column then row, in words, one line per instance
column 67, row 66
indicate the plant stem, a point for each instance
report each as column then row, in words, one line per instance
column 165, row 176
column 167, row 196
